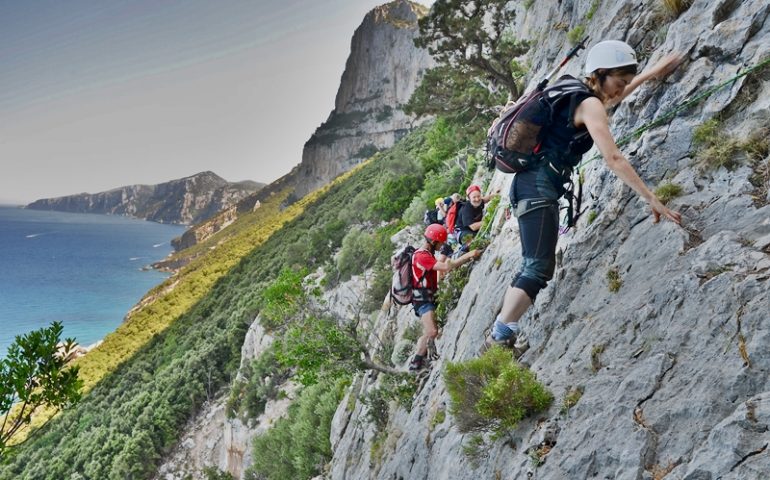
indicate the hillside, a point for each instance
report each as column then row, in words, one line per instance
column 185, row 201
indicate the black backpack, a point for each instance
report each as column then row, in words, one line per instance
column 515, row 138
column 430, row 217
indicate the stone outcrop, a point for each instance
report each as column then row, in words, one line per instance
column 382, row 71
column 674, row 366
column 184, row 201
column 214, row 440
column 211, row 439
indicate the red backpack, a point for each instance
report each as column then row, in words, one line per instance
column 451, row 216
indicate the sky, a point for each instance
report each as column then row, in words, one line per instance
column 98, row 94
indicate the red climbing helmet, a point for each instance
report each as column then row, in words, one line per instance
column 436, row 233
column 471, row 189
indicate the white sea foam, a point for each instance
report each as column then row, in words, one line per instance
column 132, row 259
column 158, row 245
column 34, row 235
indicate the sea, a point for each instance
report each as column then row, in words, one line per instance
column 83, row 270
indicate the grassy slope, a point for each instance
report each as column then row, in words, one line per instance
column 180, row 349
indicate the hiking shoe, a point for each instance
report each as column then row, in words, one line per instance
column 417, row 364
column 520, row 345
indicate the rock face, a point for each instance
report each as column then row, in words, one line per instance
column 212, row 439
column 382, row 71
column 187, row 200
column 215, row 441
column 674, row 366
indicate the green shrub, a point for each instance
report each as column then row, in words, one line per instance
column 378, row 288
column 668, row 191
column 592, row 9
column 360, row 251
column 298, row 446
column 676, row 7
column 395, row 195
column 576, row 34
column 398, row 388
column 449, row 292
column 442, row 142
column 283, row 299
column 571, row 398
column 316, row 346
column 475, row 449
column 592, row 214
column 261, row 382
column 715, row 148
column 614, row 282
column 706, row 134
column 493, row 392
column 213, row 473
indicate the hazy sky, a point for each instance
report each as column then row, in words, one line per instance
column 103, row 93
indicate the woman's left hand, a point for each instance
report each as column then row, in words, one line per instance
column 666, row 65
column 658, row 210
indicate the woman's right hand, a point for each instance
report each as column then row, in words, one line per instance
column 658, row 210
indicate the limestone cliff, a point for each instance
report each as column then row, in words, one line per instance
column 187, row 200
column 674, row 366
column 382, row 71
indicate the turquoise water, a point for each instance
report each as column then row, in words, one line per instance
column 82, row 270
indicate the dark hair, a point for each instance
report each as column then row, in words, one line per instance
column 596, row 80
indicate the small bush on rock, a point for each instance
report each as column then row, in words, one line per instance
column 493, row 392
column 668, row 191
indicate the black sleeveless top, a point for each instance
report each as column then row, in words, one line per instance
column 562, row 142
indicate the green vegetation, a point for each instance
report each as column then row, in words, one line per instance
column 592, row 9
column 614, row 282
column 668, row 191
column 592, row 214
column 571, row 398
column 493, row 392
column 182, row 346
column 452, row 287
column 282, row 301
column 261, row 381
column 35, row 375
column 477, row 67
column 438, row 418
column 213, row 473
column 475, row 450
column 576, row 34
column 298, row 445
column 676, row 7
column 715, row 149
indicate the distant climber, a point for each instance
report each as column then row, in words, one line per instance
column 441, row 209
column 425, row 268
column 610, row 70
column 470, row 216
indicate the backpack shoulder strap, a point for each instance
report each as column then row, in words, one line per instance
column 567, row 88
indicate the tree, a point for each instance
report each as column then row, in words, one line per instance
column 34, row 375
column 476, row 55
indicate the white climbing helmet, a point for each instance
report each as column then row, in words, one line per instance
column 610, row 54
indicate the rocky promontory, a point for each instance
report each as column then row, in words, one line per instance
column 184, row 201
